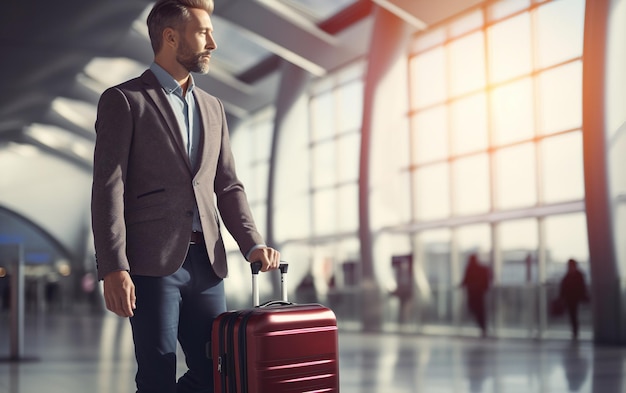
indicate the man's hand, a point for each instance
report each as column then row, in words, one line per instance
column 269, row 257
column 119, row 293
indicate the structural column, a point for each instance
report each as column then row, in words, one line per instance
column 388, row 43
column 605, row 274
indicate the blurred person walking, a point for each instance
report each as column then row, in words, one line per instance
column 476, row 281
column 572, row 292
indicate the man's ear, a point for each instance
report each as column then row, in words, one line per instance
column 170, row 37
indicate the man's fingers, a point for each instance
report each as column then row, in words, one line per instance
column 128, row 309
column 127, row 299
column 269, row 258
column 129, row 303
column 119, row 293
column 133, row 299
column 273, row 259
column 112, row 306
column 108, row 304
column 116, row 305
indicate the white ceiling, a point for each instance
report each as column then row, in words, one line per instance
column 58, row 57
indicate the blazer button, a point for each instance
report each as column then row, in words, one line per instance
column 189, row 213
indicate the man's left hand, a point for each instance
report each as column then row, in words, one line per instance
column 269, row 257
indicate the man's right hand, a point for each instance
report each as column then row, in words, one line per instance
column 119, row 293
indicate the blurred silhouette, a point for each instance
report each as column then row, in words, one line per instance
column 403, row 270
column 478, row 364
column 575, row 366
column 572, row 292
column 305, row 291
column 5, row 292
column 476, row 281
column 52, row 291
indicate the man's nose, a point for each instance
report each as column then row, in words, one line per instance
column 211, row 44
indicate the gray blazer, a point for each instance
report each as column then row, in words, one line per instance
column 144, row 188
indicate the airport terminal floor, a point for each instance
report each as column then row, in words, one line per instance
column 93, row 353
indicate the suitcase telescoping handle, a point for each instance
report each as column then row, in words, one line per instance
column 256, row 268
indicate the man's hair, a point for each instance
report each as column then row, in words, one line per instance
column 173, row 14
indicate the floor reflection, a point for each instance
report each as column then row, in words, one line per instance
column 575, row 366
column 92, row 353
column 477, row 364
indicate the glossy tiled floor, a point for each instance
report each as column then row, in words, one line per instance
column 91, row 353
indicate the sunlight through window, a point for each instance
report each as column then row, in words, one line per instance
column 496, row 149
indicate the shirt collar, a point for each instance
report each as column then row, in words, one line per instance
column 169, row 84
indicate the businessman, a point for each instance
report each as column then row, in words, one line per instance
column 163, row 175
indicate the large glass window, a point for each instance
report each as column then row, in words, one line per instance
column 473, row 239
column 434, row 249
column 431, row 139
column 323, row 127
column 502, row 9
column 471, row 185
column 559, row 27
column 496, row 147
column 329, row 253
column 432, row 188
column 519, row 241
column 566, row 237
column 334, row 143
column 429, row 82
column 510, row 48
column 512, row 112
column 468, row 118
column 468, row 51
column 324, row 166
column 562, row 160
column 251, row 146
column 560, row 100
column 515, row 176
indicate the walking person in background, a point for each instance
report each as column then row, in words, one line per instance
column 163, row 171
column 476, row 281
column 572, row 292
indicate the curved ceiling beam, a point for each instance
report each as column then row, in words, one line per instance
column 55, row 119
column 51, row 192
column 64, row 155
column 423, row 13
column 28, row 106
column 277, row 33
column 36, row 228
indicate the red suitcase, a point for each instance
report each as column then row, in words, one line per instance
column 275, row 347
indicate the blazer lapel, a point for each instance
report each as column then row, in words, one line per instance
column 213, row 127
column 155, row 92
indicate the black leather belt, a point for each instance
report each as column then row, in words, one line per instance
column 196, row 238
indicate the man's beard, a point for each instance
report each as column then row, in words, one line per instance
column 193, row 62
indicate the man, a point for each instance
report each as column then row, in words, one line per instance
column 163, row 168
column 476, row 281
column 572, row 292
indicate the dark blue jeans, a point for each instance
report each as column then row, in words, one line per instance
column 179, row 307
